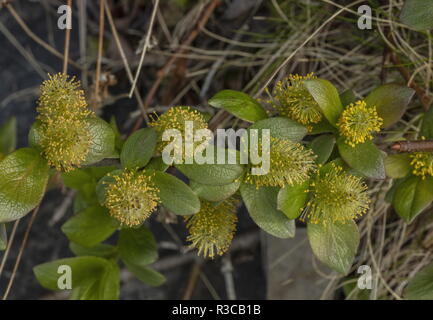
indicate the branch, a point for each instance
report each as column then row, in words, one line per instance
column 413, row 146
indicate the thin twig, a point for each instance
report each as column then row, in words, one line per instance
column 192, row 280
column 146, row 45
column 125, row 62
column 9, row 245
column 413, row 146
column 82, row 31
column 100, row 47
column 20, row 253
column 227, row 271
column 165, row 69
column 67, row 40
column 33, row 36
column 302, row 45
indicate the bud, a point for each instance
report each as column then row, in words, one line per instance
column 336, row 196
column 176, row 118
column 132, row 197
column 62, row 111
column 211, row 230
column 295, row 102
column 290, row 164
column 357, row 123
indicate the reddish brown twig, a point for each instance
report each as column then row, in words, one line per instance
column 413, row 146
column 166, row 68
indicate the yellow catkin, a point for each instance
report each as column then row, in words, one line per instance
column 290, row 164
column 422, row 164
column 175, row 118
column 62, row 112
column 211, row 230
column 357, row 123
column 295, row 102
column 131, row 197
column 336, row 196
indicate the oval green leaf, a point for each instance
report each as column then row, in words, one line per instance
column 90, row 226
column 138, row 149
column 239, row 104
column 214, row 173
column 417, row 14
column 390, row 101
column 23, row 179
column 175, row 195
column 397, row 165
column 137, row 246
column 8, row 136
column 323, row 146
column 215, row 193
column 262, row 207
column 420, row 287
column 334, row 244
column 427, row 125
column 103, row 141
column 326, row 95
column 281, row 128
column 291, row 199
column 365, row 158
column 412, row 196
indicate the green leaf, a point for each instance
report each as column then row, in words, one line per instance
column 138, row 149
column 90, row 226
column 147, row 275
column 239, row 104
column 215, row 193
column 397, row 165
column 158, row 164
column 334, row 244
column 323, row 146
column 326, row 95
column 389, row 197
column 77, row 178
column 420, row 287
column 137, row 246
column 8, row 136
column 291, row 199
column 417, row 14
column 262, row 207
column 23, row 179
column 92, row 277
column 101, row 250
column 413, row 196
column 347, row 97
column 107, row 287
column 118, row 137
column 427, row 125
column 214, row 173
column 103, row 141
column 281, row 128
column 3, row 237
column 35, row 134
column 322, row 127
column 391, row 101
column 365, row 158
column 175, row 194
